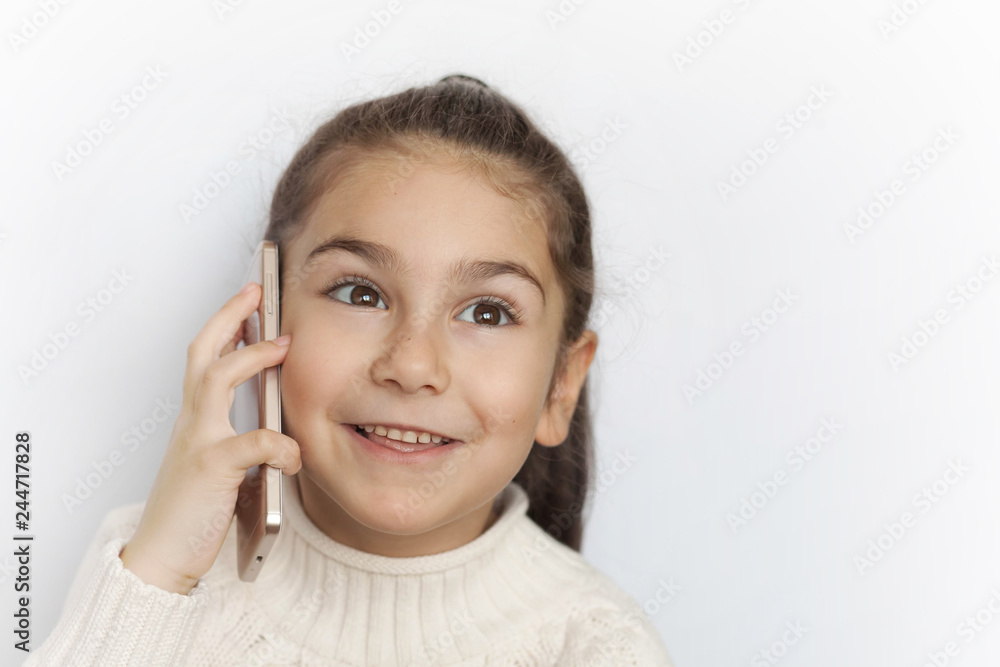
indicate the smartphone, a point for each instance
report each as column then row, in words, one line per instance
column 257, row 404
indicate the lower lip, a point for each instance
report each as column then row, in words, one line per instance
column 389, row 455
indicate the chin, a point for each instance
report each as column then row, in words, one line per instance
column 392, row 509
column 402, row 512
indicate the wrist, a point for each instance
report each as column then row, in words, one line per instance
column 151, row 572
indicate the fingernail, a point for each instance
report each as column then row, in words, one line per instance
column 247, row 287
column 283, row 340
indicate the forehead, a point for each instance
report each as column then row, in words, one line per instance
column 432, row 214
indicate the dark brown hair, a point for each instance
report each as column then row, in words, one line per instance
column 463, row 115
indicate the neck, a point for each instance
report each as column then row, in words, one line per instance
column 341, row 527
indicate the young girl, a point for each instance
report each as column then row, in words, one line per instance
column 437, row 276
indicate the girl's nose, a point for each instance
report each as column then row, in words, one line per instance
column 413, row 359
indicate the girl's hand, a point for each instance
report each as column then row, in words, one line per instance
column 191, row 504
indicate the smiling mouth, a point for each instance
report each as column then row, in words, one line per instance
column 395, row 443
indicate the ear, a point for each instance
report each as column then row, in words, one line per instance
column 553, row 426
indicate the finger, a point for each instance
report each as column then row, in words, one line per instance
column 216, row 389
column 262, row 446
column 235, row 341
column 217, row 333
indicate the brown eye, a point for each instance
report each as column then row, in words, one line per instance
column 488, row 314
column 355, row 293
column 364, row 296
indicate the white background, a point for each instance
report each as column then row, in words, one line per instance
column 662, row 517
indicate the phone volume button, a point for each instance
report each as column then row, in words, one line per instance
column 268, row 295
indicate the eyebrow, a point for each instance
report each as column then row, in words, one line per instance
column 386, row 258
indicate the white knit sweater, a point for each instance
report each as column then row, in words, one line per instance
column 513, row 596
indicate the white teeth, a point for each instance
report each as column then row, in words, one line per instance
column 403, row 436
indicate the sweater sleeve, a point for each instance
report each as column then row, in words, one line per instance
column 611, row 637
column 112, row 617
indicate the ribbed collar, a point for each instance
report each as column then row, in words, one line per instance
column 342, row 604
column 512, row 506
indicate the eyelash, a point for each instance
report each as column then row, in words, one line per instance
column 512, row 313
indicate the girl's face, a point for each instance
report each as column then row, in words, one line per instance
column 452, row 328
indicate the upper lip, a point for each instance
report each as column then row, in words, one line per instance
column 404, row 428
